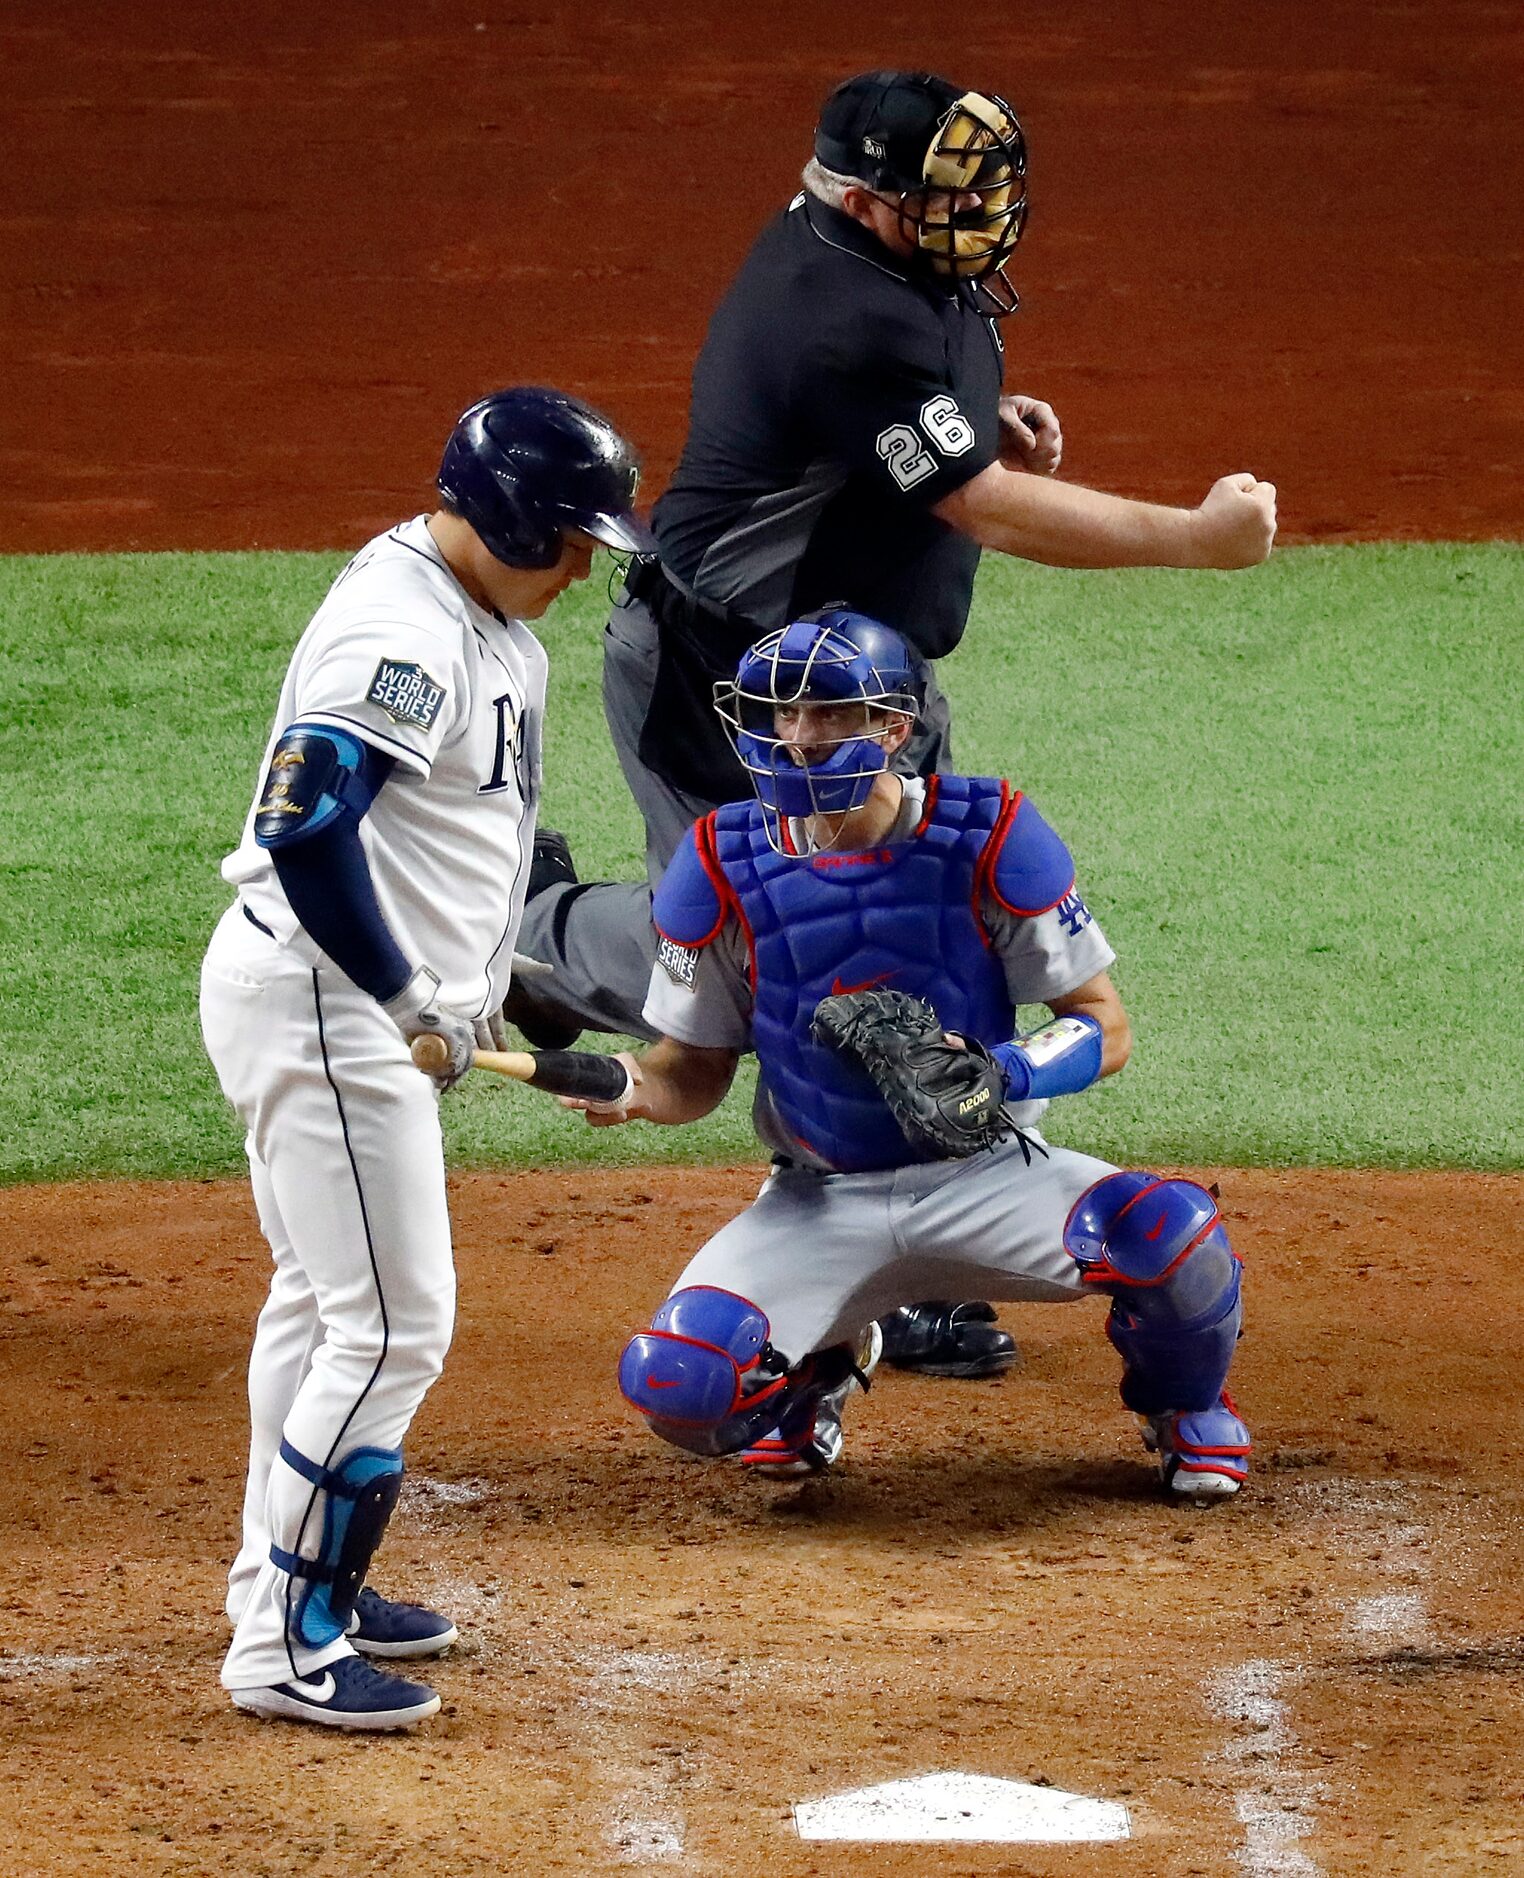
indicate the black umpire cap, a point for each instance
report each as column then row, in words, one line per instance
column 879, row 126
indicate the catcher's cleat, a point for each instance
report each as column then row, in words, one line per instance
column 345, row 1694
column 1203, row 1455
column 941, row 1338
column 381, row 1627
column 537, row 1020
column 815, row 1448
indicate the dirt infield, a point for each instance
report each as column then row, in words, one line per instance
column 659, row 1656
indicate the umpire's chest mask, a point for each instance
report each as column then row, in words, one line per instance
column 903, row 916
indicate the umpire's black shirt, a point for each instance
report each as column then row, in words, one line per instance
column 836, row 399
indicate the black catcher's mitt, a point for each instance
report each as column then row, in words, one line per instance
column 946, row 1101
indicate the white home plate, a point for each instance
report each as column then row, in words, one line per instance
column 940, row 1808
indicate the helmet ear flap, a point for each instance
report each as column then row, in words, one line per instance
column 492, row 503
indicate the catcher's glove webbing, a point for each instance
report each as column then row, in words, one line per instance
column 946, row 1101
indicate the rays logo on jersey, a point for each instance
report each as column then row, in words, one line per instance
column 406, row 693
column 678, row 962
column 1074, row 914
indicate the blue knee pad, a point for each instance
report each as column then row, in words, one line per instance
column 361, row 1493
column 707, row 1379
column 1159, row 1248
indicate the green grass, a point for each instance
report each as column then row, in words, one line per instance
column 1293, row 796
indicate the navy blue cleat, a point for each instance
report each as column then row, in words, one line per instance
column 381, row 1628
column 347, row 1694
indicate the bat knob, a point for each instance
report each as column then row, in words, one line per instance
column 431, row 1054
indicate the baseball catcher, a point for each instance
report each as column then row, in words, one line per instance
column 871, row 934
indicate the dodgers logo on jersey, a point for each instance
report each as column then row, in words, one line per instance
column 406, row 693
column 1074, row 914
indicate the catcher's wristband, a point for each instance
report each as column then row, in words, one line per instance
column 1057, row 1059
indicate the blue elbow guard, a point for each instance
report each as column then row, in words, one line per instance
column 315, row 773
column 1059, row 1059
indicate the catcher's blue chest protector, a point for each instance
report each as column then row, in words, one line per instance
column 905, row 916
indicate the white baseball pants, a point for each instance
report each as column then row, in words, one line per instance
column 347, row 1166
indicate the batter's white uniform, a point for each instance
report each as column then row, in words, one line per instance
column 344, row 1143
column 824, row 1254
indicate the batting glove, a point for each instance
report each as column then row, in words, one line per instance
column 491, row 1032
column 417, row 1012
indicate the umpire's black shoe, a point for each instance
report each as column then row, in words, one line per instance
column 551, row 864
column 941, row 1338
column 540, row 1024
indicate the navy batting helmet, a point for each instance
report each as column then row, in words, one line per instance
column 524, row 465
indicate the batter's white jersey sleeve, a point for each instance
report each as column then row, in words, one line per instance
column 400, row 655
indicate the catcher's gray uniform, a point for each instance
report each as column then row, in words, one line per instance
column 823, row 1254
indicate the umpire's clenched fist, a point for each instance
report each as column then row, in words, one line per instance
column 1235, row 524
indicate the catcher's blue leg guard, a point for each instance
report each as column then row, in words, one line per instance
column 707, row 1379
column 1159, row 1248
column 361, row 1493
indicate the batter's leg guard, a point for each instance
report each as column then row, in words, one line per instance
column 361, row 1493
column 1159, row 1248
column 707, row 1379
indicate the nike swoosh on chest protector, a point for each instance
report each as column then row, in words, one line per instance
column 839, row 990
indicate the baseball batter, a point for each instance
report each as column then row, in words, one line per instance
column 845, row 898
column 381, row 878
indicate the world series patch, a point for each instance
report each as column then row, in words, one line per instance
column 406, row 693
column 678, row 962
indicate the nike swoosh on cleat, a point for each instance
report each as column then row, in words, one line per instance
column 655, row 1382
column 1157, row 1227
column 320, row 1691
column 839, row 990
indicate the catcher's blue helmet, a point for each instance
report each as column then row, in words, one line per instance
column 833, row 657
column 525, row 464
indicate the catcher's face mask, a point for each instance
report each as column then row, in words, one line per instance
column 806, row 713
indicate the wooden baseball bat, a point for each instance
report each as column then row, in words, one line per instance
column 558, row 1072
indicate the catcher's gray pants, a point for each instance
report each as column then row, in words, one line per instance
column 598, row 938
column 822, row 1255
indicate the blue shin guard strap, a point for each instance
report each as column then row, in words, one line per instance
column 361, row 1493
column 316, row 1472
